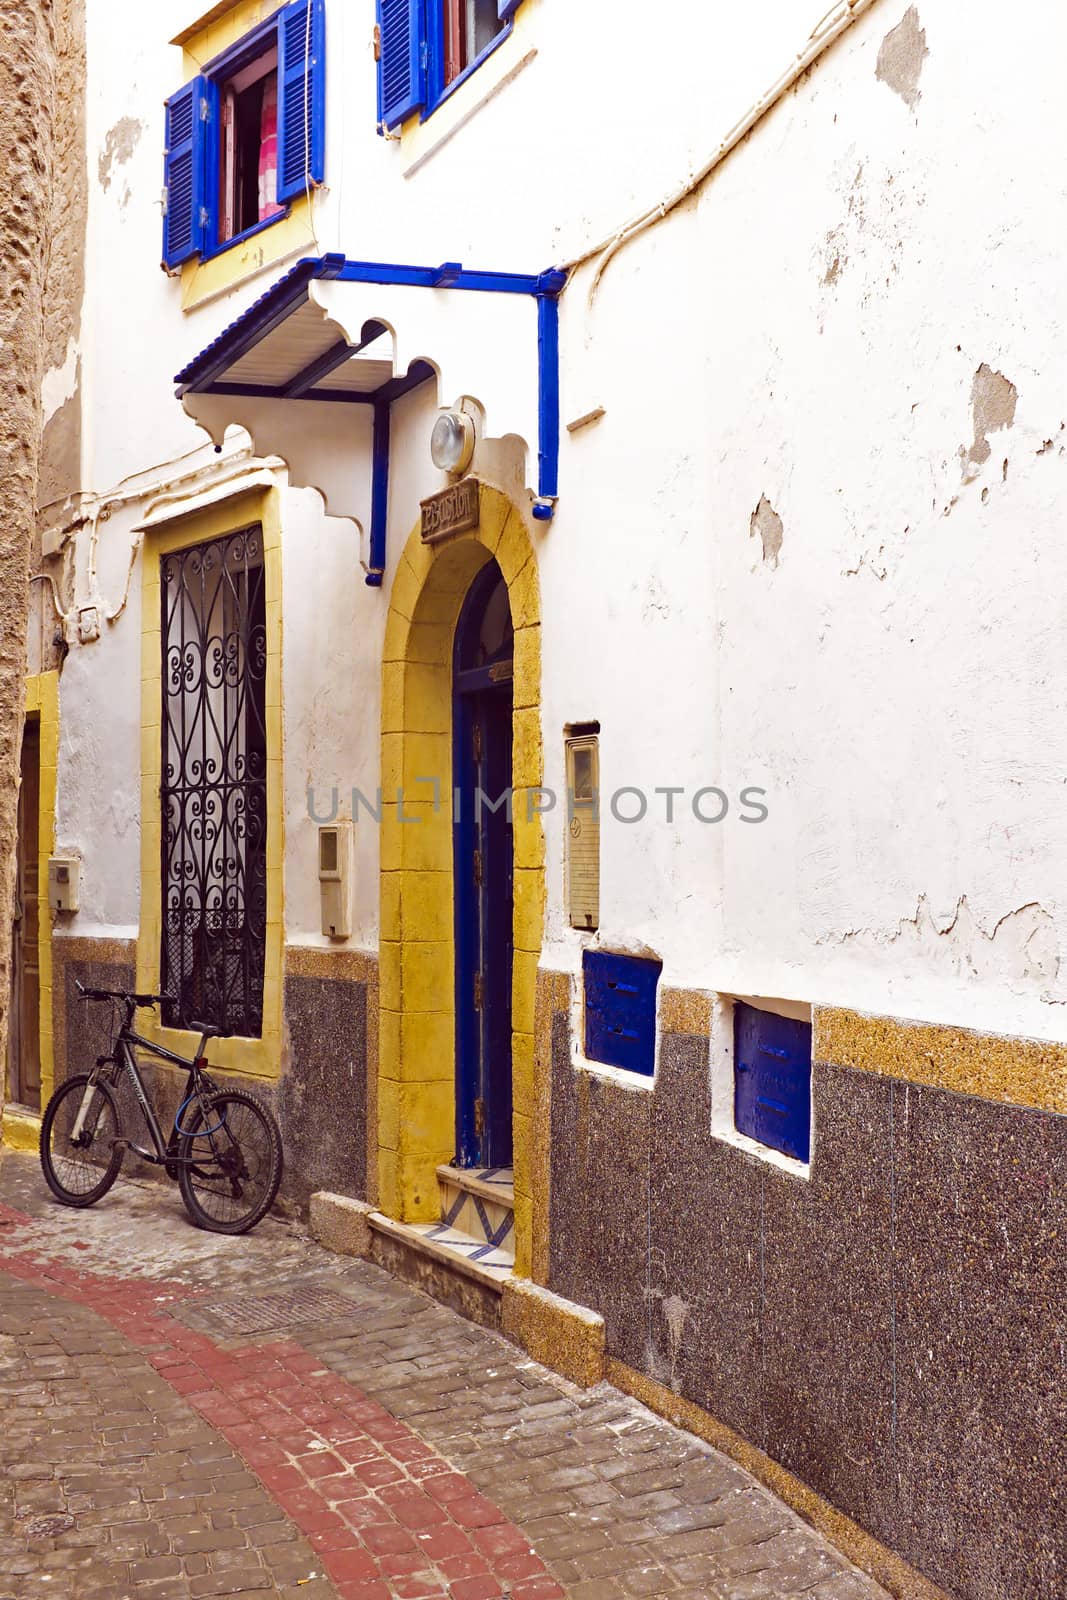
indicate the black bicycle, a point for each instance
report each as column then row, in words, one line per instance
column 224, row 1149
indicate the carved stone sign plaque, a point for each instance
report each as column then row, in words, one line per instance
column 454, row 510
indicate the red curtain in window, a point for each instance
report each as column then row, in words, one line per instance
column 268, row 151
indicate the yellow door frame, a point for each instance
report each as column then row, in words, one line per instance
column 416, row 1088
column 260, row 1057
column 20, row 1130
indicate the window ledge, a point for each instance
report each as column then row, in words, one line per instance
column 243, row 237
column 726, row 1133
column 259, row 250
column 723, row 1084
column 635, row 1081
column 420, row 141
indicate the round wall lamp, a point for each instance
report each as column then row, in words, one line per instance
column 452, row 441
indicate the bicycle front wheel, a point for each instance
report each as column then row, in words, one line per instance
column 231, row 1164
column 79, row 1153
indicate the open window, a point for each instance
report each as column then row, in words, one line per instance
column 248, row 154
column 246, row 136
column 427, row 46
column 469, row 28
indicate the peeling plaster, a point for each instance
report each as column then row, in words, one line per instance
column 900, row 60
column 873, row 564
column 61, row 383
column 836, row 256
column 766, row 522
column 1022, row 951
column 871, row 239
column 119, row 146
column 993, row 401
column 675, row 1311
column 1048, row 445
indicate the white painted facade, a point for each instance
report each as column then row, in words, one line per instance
column 806, row 330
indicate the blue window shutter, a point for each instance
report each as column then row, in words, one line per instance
column 772, row 1080
column 183, row 174
column 506, row 9
column 301, row 97
column 620, row 1010
column 402, row 69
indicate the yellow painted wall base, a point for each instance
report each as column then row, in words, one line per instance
column 20, row 1130
column 853, row 1541
column 561, row 1335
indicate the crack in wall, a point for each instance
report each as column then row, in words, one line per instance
column 1021, row 951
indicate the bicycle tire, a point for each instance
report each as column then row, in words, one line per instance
column 237, row 1157
column 63, row 1109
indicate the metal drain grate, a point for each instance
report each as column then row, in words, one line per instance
column 272, row 1313
column 49, row 1527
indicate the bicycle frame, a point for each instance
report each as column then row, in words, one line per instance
column 124, row 1063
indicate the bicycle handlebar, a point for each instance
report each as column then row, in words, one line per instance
column 121, row 994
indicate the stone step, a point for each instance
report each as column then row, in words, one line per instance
column 478, row 1208
column 421, row 1253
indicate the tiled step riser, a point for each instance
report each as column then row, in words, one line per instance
column 483, row 1220
column 478, row 1213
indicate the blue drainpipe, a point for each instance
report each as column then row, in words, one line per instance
column 546, row 289
column 379, row 493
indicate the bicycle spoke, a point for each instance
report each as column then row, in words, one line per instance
column 78, row 1165
column 235, row 1169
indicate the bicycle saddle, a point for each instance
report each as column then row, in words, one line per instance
column 208, row 1029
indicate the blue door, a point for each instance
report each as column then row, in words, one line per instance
column 483, row 671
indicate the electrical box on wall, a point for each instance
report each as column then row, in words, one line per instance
column 64, row 883
column 583, row 827
column 336, row 871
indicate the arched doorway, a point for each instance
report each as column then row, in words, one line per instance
column 416, row 1116
column 482, row 676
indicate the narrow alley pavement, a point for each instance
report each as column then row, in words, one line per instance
column 185, row 1415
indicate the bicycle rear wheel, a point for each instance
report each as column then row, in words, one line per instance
column 80, row 1169
column 231, row 1165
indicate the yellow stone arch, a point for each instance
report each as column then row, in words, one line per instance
column 416, row 1087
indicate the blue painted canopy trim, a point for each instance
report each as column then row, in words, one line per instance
column 290, row 292
column 205, row 374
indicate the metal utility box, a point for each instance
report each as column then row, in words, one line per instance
column 336, row 858
column 64, row 883
column 583, row 832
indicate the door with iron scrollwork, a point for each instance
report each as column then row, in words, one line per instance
column 214, row 792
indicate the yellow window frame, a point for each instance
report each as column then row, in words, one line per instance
column 258, row 1058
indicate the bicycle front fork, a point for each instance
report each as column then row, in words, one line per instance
column 83, row 1112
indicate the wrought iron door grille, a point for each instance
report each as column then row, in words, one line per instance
column 214, row 793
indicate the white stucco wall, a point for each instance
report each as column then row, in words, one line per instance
column 807, row 331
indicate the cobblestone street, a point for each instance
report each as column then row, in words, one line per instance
column 186, row 1415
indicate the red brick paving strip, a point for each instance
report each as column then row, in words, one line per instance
column 389, row 1518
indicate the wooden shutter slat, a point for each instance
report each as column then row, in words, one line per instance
column 183, row 174
column 301, row 98
column 402, row 68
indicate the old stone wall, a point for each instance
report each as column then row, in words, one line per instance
column 28, row 101
column 62, row 481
